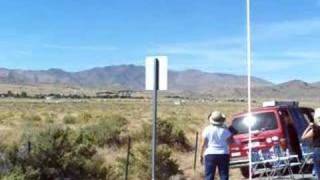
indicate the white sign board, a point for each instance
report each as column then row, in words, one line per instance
column 163, row 72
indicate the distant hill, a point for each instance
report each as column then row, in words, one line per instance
column 126, row 77
column 295, row 84
column 295, row 89
column 316, row 84
column 132, row 77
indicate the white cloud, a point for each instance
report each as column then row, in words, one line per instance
column 229, row 49
column 268, row 35
column 280, row 49
column 274, row 65
column 286, row 29
column 304, row 55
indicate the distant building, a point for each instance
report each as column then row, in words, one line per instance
column 48, row 98
column 125, row 93
column 177, row 103
column 118, row 94
column 3, row 95
column 106, row 94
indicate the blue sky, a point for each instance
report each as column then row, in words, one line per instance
column 206, row 34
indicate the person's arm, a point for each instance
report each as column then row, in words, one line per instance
column 204, row 144
column 232, row 130
column 229, row 136
column 230, row 139
column 308, row 133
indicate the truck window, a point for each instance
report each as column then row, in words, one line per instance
column 262, row 122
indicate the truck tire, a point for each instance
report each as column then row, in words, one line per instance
column 245, row 172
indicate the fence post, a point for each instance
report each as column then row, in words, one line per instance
column 195, row 153
column 128, row 158
column 29, row 147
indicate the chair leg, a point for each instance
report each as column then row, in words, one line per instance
column 291, row 172
column 301, row 170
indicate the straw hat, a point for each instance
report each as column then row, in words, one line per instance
column 217, row 118
column 317, row 116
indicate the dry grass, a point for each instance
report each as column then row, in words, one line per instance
column 18, row 116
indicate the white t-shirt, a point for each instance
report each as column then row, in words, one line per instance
column 216, row 138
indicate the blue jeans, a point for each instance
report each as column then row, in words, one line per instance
column 212, row 161
column 316, row 161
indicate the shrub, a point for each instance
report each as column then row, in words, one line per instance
column 168, row 134
column 49, row 120
column 5, row 115
column 24, row 94
column 15, row 174
column 58, row 153
column 69, row 119
column 108, row 130
column 33, row 117
column 85, row 117
column 10, row 93
column 166, row 167
column 50, row 117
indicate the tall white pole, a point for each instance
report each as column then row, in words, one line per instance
column 249, row 83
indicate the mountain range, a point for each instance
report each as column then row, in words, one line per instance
column 133, row 77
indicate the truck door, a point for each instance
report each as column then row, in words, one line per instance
column 299, row 120
column 291, row 131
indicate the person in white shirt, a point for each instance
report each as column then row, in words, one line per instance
column 214, row 148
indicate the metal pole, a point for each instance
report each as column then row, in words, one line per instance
column 128, row 158
column 249, row 83
column 195, row 153
column 154, row 124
